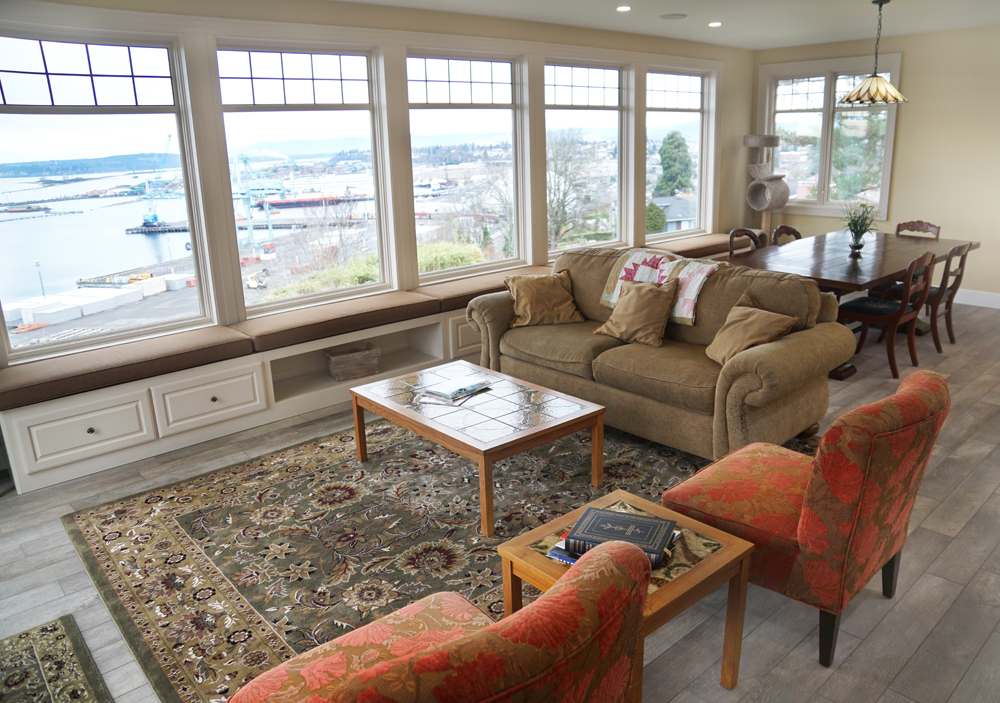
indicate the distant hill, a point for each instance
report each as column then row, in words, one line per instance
column 105, row 164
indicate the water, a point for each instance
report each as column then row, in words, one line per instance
column 85, row 245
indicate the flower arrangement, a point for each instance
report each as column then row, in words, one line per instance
column 859, row 218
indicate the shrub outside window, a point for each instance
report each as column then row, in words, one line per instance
column 95, row 194
column 582, row 144
column 299, row 141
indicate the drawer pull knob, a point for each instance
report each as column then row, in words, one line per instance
column 90, row 430
column 214, row 399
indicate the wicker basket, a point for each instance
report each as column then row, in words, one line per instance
column 353, row 360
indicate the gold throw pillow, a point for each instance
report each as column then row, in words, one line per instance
column 542, row 300
column 747, row 327
column 641, row 313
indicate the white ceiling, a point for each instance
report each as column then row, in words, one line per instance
column 747, row 24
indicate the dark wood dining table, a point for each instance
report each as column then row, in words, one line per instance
column 828, row 260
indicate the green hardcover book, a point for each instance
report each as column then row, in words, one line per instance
column 651, row 534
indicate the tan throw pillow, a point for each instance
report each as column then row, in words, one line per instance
column 746, row 327
column 641, row 313
column 542, row 300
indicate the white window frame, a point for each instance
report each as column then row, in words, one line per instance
column 378, row 160
column 182, row 109
column 517, row 155
column 769, row 76
column 708, row 174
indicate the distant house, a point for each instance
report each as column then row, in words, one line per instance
column 681, row 212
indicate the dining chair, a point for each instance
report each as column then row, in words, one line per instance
column 823, row 526
column 918, row 226
column 943, row 293
column 744, row 232
column 782, row 230
column 869, row 310
column 576, row 641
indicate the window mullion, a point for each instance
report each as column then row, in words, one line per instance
column 826, row 141
column 535, row 215
column 632, row 219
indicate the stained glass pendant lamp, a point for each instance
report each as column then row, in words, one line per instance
column 874, row 90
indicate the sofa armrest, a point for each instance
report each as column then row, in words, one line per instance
column 491, row 315
column 766, row 373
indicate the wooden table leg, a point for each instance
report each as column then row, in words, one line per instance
column 359, row 429
column 597, row 453
column 842, row 372
column 486, row 495
column 511, row 589
column 634, row 694
column 735, row 609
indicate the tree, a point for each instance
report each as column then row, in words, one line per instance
column 570, row 200
column 677, row 165
column 858, row 142
column 656, row 219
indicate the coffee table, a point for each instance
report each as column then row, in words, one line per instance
column 670, row 598
column 513, row 416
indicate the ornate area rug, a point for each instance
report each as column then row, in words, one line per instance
column 49, row 664
column 216, row 579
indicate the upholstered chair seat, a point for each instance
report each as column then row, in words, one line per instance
column 576, row 642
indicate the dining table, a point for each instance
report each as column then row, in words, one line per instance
column 829, row 260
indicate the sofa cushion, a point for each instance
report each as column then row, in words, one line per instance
column 783, row 293
column 284, row 329
column 677, row 374
column 455, row 295
column 589, row 269
column 47, row 379
column 569, row 348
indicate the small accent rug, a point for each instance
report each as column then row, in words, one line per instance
column 49, row 664
column 216, row 579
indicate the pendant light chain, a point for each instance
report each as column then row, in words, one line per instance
column 878, row 37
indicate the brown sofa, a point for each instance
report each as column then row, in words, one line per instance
column 675, row 394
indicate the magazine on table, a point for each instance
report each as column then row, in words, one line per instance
column 456, row 388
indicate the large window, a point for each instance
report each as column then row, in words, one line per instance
column 93, row 195
column 829, row 153
column 582, row 144
column 462, row 144
column 299, row 140
column 674, row 152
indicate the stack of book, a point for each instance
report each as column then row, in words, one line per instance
column 453, row 392
column 654, row 535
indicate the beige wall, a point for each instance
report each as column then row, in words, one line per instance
column 735, row 115
column 947, row 146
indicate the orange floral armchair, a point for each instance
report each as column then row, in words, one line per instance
column 824, row 525
column 575, row 643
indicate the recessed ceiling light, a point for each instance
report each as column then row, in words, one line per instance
column 715, row 24
column 624, row 8
column 674, row 16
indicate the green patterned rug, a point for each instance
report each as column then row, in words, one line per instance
column 216, row 579
column 49, row 664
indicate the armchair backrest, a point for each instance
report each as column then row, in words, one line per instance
column 579, row 636
column 867, row 472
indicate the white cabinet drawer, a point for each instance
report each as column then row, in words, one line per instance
column 56, row 437
column 209, row 398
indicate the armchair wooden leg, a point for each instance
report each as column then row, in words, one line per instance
column 911, row 340
column 809, row 431
column 947, row 320
column 934, row 328
column 862, row 338
column 890, row 572
column 829, row 628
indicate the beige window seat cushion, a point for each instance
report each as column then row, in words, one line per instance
column 701, row 246
column 47, row 379
column 285, row 329
column 677, row 374
column 569, row 348
column 455, row 295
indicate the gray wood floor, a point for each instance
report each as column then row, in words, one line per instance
column 937, row 641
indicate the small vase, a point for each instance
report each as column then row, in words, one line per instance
column 856, row 247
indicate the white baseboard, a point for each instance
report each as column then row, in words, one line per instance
column 978, row 298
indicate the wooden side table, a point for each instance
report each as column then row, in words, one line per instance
column 730, row 563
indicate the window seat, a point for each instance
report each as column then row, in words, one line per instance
column 701, row 246
column 48, row 379
column 455, row 295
